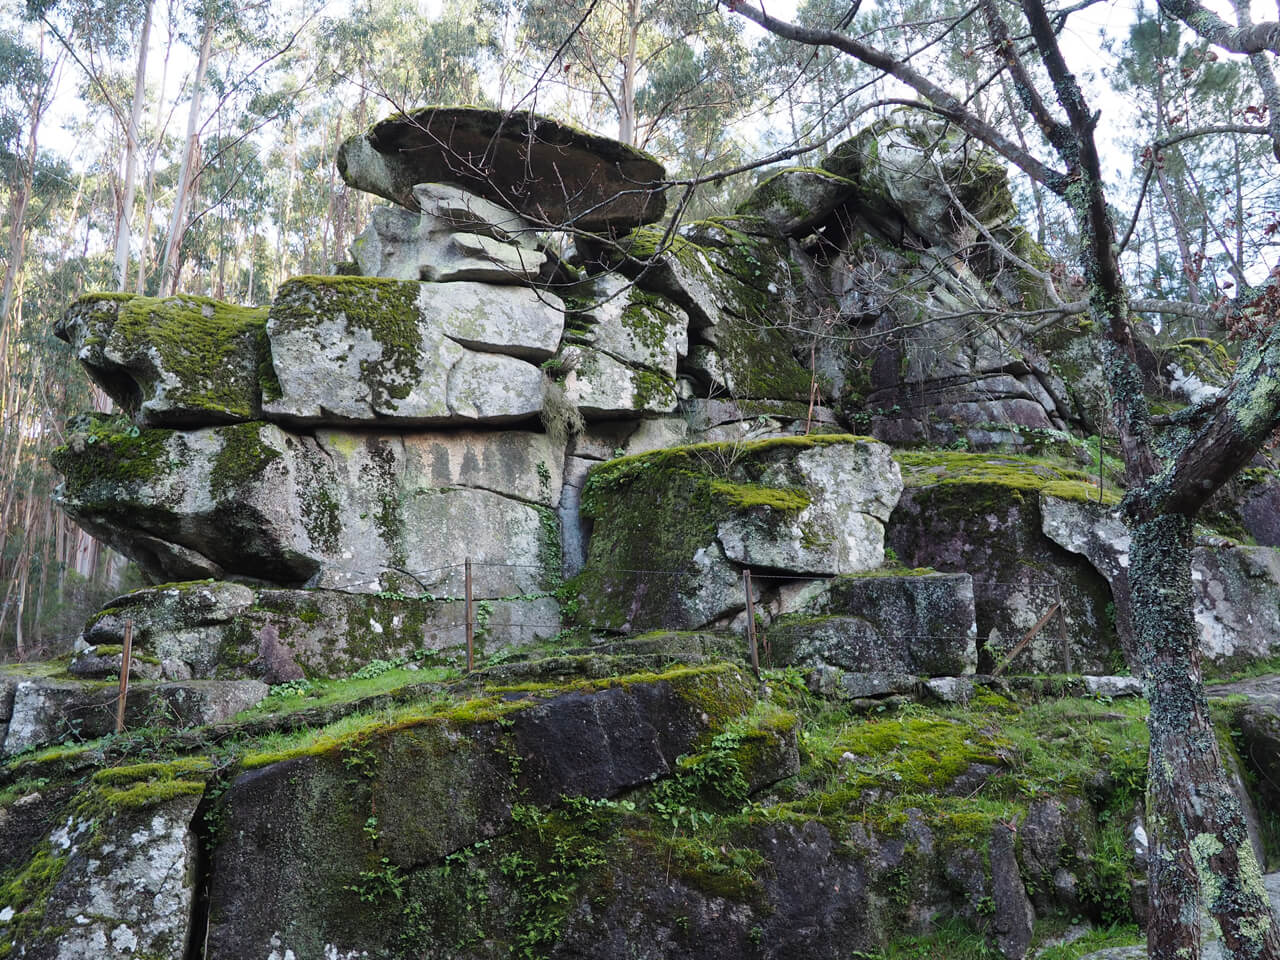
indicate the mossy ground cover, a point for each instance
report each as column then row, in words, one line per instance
column 1001, row 472
column 699, row 826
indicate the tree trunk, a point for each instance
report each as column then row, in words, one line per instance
column 627, row 96
column 181, row 202
column 124, row 222
column 1192, row 807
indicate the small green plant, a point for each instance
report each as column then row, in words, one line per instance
column 376, row 885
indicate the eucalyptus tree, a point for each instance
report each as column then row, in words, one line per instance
column 671, row 74
column 1172, row 464
column 97, row 34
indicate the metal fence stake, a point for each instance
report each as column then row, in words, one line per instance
column 126, row 659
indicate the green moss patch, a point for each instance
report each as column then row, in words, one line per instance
column 211, row 348
column 109, row 454
column 385, row 309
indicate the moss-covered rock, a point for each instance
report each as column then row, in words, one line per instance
column 674, row 528
column 914, row 624
column 981, row 514
column 747, row 298
column 339, row 509
column 314, row 849
column 362, row 348
column 117, row 880
column 170, row 361
column 220, row 630
column 798, row 199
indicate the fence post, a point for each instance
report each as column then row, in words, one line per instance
column 471, row 623
column 126, row 659
column 1062, row 629
column 751, row 623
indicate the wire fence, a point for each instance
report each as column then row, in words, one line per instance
column 667, row 598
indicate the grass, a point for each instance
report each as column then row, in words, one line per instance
column 293, row 697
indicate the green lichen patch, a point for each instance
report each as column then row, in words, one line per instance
column 387, row 310
column 241, row 461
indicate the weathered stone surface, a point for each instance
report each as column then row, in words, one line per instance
column 47, row 710
column 171, row 361
column 1013, row 916
column 1113, row 686
column 469, row 212
column 289, row 863
column 638, row 329
column 126, row 889
column 535, row 166
column 799, row 199
column 901, row 163
column 338, row 510
column 602, row 387
column 747, row 296
column 920, row 625
column 673, row 528
column 400, row 244
column 981, row 514
column 1236, row 589
column 840, row 530
column 1260, row 511
column 278, row 635
column 348, row 349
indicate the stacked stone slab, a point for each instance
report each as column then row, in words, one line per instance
column 316, row 462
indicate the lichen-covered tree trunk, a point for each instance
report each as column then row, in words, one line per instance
column 1194, row 816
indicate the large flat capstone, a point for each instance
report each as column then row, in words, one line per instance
column 542, row 169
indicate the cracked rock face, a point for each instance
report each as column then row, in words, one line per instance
column 455, row 235
column 701, row 514
column 126, row 888
column 1235, row 589
column 341, row 510
column 353, row 349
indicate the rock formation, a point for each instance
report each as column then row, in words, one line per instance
column 611, row 452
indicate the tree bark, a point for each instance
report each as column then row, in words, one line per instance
column 1193, row 811
column 124, row 221
column 178, row 222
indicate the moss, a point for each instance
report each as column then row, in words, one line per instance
column 746, row 496
column 150, row 793
column 116, row 455
column 924, row 468
column 1080, row 491
column 386, row 310
column 201, row 342
column 653, row 390
column 240, row 461
column 120, row 776
column 26, row 891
